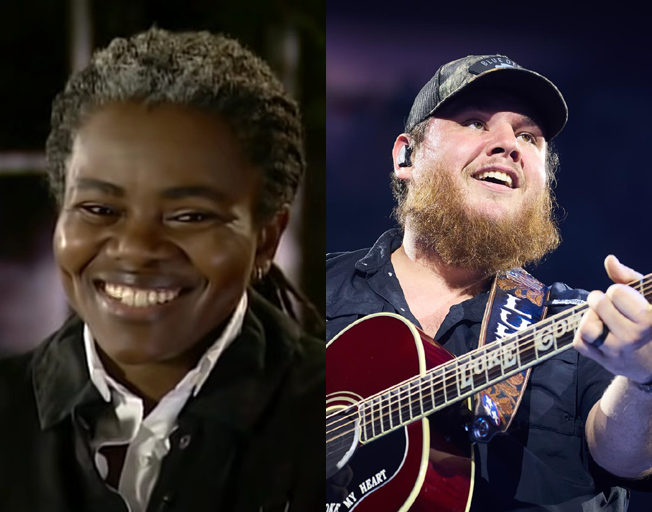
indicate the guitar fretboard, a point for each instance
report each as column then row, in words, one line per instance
column 464, row 376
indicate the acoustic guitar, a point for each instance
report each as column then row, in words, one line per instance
column 395, row 412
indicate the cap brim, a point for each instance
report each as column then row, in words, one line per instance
column 534, row 88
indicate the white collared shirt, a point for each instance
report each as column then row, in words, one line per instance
column 148, row 438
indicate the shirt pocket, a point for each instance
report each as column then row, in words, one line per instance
column 553, row 394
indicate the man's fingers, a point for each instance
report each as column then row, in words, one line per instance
column 618, row 272
column 629, row 302
column 620, row 325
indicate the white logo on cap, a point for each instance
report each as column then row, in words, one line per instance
column 497, row 62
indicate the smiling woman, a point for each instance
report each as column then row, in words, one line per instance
column 174, row 159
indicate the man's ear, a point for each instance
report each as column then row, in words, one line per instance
column 269, row 236
column 401, row 155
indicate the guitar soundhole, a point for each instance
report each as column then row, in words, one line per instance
column 342, row 436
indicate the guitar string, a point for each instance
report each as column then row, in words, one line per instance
column 455, row 367
column 504, row 342
column 410, row 394
column 571, row 315
column 520, row 341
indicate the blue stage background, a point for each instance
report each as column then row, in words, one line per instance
column 378, row 61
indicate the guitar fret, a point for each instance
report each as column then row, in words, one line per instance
column 526, row 349
column 427, row 404
column 414, row 399
column 421, row 381
column 406, row 412
column 465, row 375
column 444, row 384
column 432, row 390
column 390, row 406
column 396, row 399
column 451, row 387
column 375, row 424
column 439, row 396
column 366, row 424
column 378, row 419
column 494, row 362
column 508, row 359
column 385, row 415
column 477, row 370
column 517, row 346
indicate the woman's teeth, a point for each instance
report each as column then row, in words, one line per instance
column 138, row 297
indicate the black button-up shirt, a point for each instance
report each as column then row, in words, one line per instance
column 543, row 460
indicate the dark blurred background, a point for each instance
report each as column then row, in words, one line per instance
column 378, row 59
column 43, row 41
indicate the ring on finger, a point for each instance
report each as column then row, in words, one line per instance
column 597, row 343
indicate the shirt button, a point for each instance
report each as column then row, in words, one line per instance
column 184, row 441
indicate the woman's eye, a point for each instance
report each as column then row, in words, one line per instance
column 193, row 217
column 98, row 210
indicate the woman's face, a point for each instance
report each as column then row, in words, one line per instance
column 157, row 236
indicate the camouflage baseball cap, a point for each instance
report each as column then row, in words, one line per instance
column 491, row 71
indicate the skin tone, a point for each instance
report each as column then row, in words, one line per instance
column 466, row 139
column 494, row 133
column 159, row 199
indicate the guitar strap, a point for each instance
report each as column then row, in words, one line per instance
column 516, row 301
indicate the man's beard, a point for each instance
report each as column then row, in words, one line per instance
column 439, row 219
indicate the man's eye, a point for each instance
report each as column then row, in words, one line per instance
column 476, row 125
column 528, row 137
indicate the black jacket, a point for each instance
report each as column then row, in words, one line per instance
column 252, row 439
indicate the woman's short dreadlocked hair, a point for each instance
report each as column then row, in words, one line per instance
column 210, row 72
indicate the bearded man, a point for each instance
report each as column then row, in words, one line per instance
column 472, row 176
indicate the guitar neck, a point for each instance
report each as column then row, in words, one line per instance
column 462, row 377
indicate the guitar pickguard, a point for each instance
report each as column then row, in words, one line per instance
column 374, row 465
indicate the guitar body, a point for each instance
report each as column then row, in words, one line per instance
column 419, row 467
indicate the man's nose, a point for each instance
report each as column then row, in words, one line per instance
column 139, row 242
column 503, row 141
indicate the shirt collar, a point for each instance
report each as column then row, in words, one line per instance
column 247, row 375
column 381, row 251
column 194, row 379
